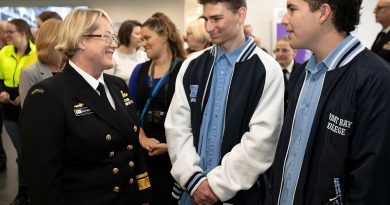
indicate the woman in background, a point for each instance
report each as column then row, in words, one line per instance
column 14, row 57
column 129, row 52
column 197, row 37
column 151, row 87
column 50, row 61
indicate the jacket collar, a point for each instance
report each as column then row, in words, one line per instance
column 246, row 53
column 84, row 92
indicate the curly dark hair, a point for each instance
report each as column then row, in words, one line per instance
column 163, row 26
column 125, row 30
column 346, row 13
column 233, row 5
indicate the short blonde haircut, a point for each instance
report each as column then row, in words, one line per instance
column 77, row 23
column 198, row 31
column 47, row 39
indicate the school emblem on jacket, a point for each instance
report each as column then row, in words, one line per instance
column 194, row 92
column 126, row 98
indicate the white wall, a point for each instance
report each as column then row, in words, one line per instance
column 118, row 10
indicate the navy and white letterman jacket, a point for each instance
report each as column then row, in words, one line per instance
column 252, row 123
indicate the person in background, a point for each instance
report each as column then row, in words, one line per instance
column 381, row 45
column 14, row 57
column 3, row 156
column 46, row 15
column 197, row 38
column 80, row 129
column 225, row 118
column 284, row 54
column 334, row 145
column 50, row 61
column 151, row 87
column 128, row 54
column 248, row 31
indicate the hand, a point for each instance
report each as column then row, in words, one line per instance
column 159, row 149
column 17, row 101
column 146, row 142
column 203, row 195
column 4, row 97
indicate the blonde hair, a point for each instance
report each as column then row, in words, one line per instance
column 77, row 23
column 198, row 31
column 47, row 39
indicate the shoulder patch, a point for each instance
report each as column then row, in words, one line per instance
column 37, row 91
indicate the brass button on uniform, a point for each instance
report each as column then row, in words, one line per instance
column 135, row 128
column 131, row 164
column 129, row 147
column 116, row 189
column 112, row 153
column 131, row 181
column 108, row 138
column 115, row 171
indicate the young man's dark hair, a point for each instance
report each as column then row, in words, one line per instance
column 233, row 5
column 346, row 13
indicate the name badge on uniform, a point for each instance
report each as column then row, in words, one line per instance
column 194, row 91
column 80, row 110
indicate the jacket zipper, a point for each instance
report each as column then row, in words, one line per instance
column 288, row 149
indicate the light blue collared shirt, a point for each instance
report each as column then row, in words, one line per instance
column 211, row 130
column 306, row 109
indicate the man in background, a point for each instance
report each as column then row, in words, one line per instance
column 381, row 44
column 248, row 31
column 284, row 54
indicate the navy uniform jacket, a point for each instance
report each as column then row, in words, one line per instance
column 349, row 139
column 77, row 149
column 382, row 46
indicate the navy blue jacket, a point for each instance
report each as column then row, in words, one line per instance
column 349, row 139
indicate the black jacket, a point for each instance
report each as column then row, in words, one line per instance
column 349, row 139
column 77, row 149
column 382, row 46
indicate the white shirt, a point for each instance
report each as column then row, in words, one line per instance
column 289, row 69
column 93, row 82
column 124, row 64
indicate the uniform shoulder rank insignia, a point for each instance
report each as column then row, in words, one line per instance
column 37, row 91
column 143, row 181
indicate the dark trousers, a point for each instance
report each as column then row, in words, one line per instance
column 3, row 156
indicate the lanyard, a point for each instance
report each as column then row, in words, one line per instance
column 156, row 89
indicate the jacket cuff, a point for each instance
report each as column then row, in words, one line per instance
column 194, row 182
column 177, row 191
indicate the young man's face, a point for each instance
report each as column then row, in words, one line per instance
column 302, row 24
column 222, row 24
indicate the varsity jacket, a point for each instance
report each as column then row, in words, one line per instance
column 252, row 123
column 347, row 156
